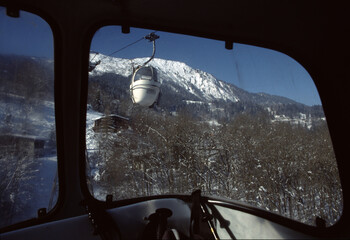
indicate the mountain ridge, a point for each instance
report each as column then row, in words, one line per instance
column 213, row 87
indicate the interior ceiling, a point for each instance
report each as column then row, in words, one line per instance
column 287, row 26
column 252, row 21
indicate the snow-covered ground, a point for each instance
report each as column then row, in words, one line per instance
column 46, row 183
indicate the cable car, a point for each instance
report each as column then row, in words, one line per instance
column 144, row 87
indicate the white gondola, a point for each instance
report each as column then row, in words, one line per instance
column 144, row 87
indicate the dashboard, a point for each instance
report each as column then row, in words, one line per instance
column 134, row 220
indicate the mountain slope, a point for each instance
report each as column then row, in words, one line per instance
column 183, row 86
column 177, row 75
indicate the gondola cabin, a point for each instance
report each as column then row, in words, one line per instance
column 144, row 88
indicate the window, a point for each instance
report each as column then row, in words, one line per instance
column 245, row 124
column 27, row 121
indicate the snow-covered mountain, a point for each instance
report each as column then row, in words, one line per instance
column 183, row 85
column 175, row 74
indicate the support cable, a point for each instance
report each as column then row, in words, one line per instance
column 150, row 37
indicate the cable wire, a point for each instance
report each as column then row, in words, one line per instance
column 108, row 55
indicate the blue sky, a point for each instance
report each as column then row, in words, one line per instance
column 251, row 68
column 28, row 35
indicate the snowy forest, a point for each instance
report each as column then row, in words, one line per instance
column 284, row 168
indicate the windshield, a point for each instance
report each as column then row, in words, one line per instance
column 245, row 124
column 28, row 158
column 146, row 73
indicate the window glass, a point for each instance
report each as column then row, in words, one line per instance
column 245, row 124
column 28, row 179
